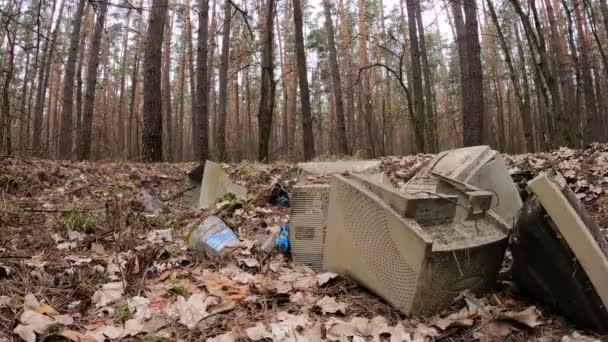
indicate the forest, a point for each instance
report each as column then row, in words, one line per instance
column 179, row 80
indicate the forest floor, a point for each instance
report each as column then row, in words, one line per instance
column 79, row 261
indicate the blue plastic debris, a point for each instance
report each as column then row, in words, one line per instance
column 282, row 240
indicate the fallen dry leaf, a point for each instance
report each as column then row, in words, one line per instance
column 325, row 277
column 528, row 317
column 75, row 336
column 258, row 332
column 222, row 287
column 32, row 323
column 463, row 318
column 193, row 310
column 106, row 332
column 249, row 262
column 329, row 305
column 107, row 294
column 227, row 337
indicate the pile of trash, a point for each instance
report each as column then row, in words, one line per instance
column 394, row 249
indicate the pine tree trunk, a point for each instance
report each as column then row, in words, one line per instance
column 366, row 95
column 223, row 96
column 5, row 110
column 65, row 139
column 349, row 105
column 153, row 104
column 43, row 80
column 166, row 90
column 212, row 96
column 335, row 76
column 523, row 106
column 473, row 98
column 196, row 136
column 123, row 67
column 308, row 139
column 592, row 121
column 429, row 103
column 179, row 133
column 267, row 87
column 133, row 138
column 202, row 82
column 563, row 69
column 85, row 30
column 418, row 95
column 284, row 82
column 84, row 151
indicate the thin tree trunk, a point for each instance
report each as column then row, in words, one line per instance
column 593, row 125
column 87, row 25
column 524, row 108
column 211, row 97
column 196, row 133
column 429, row 104
column 84, row 151
column 153, row 104
column 267, row 87
column 366, row 86
column 223, row 98
column 179, row 134
column 43, row 80
column 202, row 82
column 166, row 90
column 473, row 98
column 121, row 98
column 349, row 105
column 335, row 76
column 564, row 71
column 65, row 139
column 418, row 95
column 5, row 110
column 308, row 139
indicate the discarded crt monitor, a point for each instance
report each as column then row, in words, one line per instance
column 477, row 166
column 560, row 256
column 215, row 184
column 309, row 204
column 411, row 250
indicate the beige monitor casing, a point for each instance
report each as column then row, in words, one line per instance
column 408, row 249
column 216, row 184
column 309, row 205
column 479, row 166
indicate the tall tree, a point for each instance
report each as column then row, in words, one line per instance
column 524, row 107
column 267, row 86
column 223, row 100
column 65, row 138
column 429, row 101
column 121, row 100
column 366, row 84
column 84, row 151
column 335, row 76
column 202, row 82
column 166, row 90
column 471, row 75
column 5, row 113
column 418, row 95
column 196, row 138
column 153, row 106
column 43, row 78
column 309, row 143
column 593, row 122
column 133, row 126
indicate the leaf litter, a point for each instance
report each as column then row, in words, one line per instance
column 85, row 263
